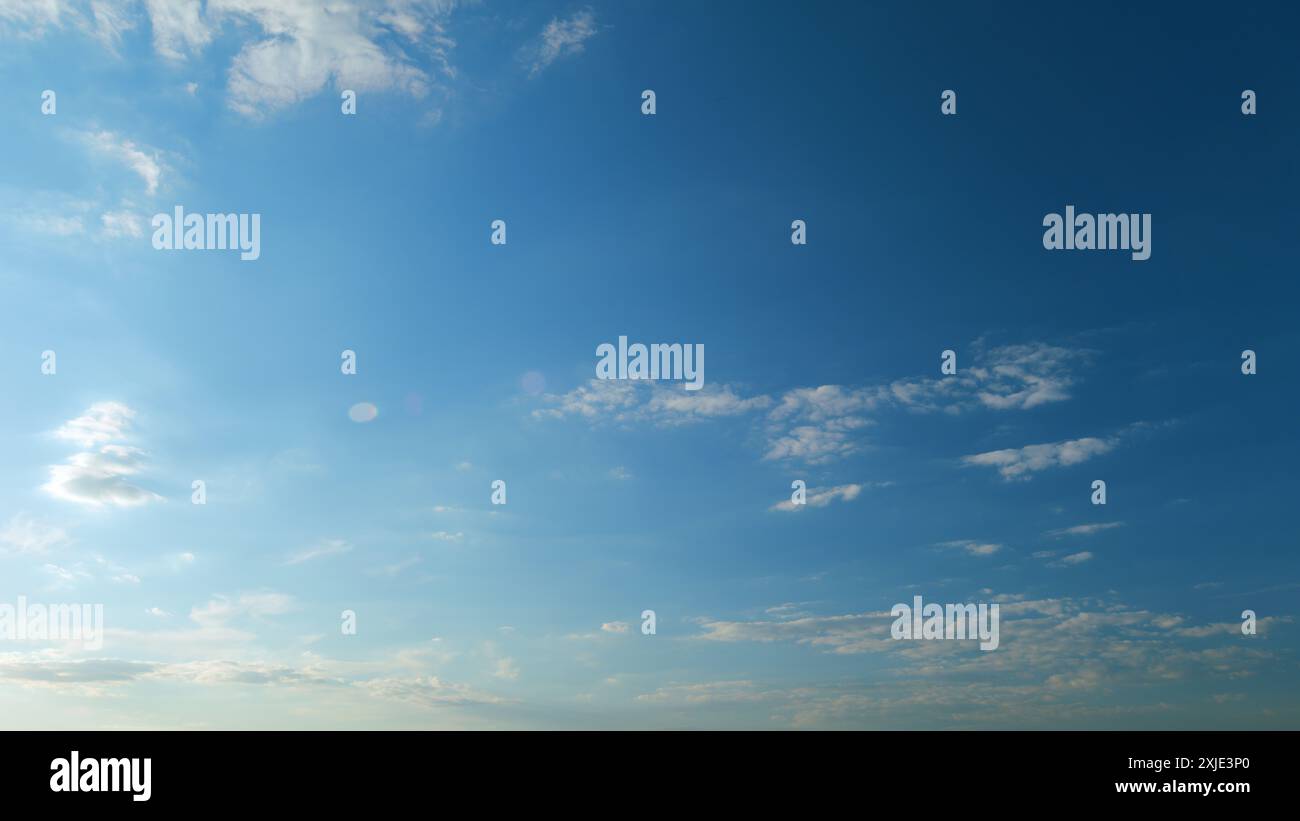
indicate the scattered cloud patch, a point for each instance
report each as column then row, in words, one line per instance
column 1022, row 463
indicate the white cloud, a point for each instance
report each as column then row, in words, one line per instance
column 97, row 476
column 40, row 222
column 1083, row 530
column 1019, row 463
column 307, row 46
column 620, row 473
column 817, row 425
column 30, row 18
column 560, row 38
column 425, row 691
column 102, row 422
column 506, row 669
column 110, row 19
column 818, row 444
column 1074, row 559
column 395, row 569
column 1050, row 649
column 140, row 159
column 178, row 27
column 288, row 50
column 846, row 634
column 615, row 627
column 616, row 401
column 704, row 693
column 821, row 497
column 1003, row 378
column 220, row 611
column 446, row 536
column 122, row 224
column 65, row 577
column 973, row 548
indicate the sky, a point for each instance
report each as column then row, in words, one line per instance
column 372, row 492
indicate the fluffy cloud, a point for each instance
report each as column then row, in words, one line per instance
column 101, row 423
column 97, row 476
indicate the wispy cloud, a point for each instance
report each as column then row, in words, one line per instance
column 1074, row 559
column 973, row 548
column 329, row 547
column 821, row 497
column 142, row 160
column 613, row 402
column 25, row 535
column 287, row 50
column 559, row 38
column 122, row 224
column 818, row 425
column 1083, row 530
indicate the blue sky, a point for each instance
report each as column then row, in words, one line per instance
column 924, row 234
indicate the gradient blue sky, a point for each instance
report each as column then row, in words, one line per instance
column 924, row 233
